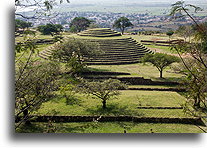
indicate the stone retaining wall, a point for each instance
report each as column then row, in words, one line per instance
column 158, row 107
column 134, row 80
column 196, row 121
column 159, row 89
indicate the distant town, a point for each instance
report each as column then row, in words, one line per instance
column 141, row 22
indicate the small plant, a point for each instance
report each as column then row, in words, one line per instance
column 68, row 93
column 170, row 33
column 50, row 127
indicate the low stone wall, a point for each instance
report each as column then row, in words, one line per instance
column 44, row 41
column 66, row 119
column 142, row 81
column 103, row 73
column 134, row 80
column 159, row 89
column 158, row 107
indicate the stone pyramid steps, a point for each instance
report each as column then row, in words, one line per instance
column 115, row 50
column 99, row 32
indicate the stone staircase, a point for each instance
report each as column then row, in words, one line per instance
column 118, row 51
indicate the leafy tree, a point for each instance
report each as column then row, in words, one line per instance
column 50, row 29
column 79, row 24
column 170, row 33
column 195, row 67
column 75, row 53
column 20, row 24
column 160, row 61
column 73, row 29
column 101, row 90
column 21, row 27
column 122, row 23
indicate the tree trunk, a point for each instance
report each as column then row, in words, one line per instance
column 26, row 114
column 104, row 104
column 122, row 31
column 161, row 74
column 197, row 103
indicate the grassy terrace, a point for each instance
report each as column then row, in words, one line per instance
column 140, row 70
column 125, row 104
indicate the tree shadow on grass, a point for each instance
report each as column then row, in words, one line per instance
column 112, row 110
column 168, row 79
column 71, row 100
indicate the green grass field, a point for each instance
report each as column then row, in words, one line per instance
column 125, row 104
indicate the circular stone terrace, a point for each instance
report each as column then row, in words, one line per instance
column 117, row 48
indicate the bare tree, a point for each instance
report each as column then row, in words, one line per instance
column 34, row 81
column 185, row 32
column 38, row 8
column 196, row 68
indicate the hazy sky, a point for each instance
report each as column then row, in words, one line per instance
column 131, row 1
column 121, row 3
column 87, row 5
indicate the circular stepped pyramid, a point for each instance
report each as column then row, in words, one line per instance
column 117, row 50
column 99, row 32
